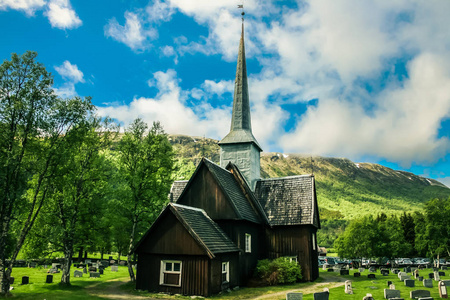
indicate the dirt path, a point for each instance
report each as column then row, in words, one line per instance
column 329, row 282
column 114, row 292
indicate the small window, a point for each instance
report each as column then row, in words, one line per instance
column 248, row 243
column 170, row 273
column 291, row 258
column 314, row 241
column 225, row 271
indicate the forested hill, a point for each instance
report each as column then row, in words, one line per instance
column 345, row 189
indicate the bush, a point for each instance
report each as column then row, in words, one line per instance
column 278, row 271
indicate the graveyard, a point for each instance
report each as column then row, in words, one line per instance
column 112, row 284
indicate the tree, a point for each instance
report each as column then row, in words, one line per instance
column 145, row 161
column 32, row 118
column 76, row 192
column 433, row 230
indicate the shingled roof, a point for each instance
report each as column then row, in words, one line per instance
column 234, row 192
column 288, row 200
column 176, row 189
column 203, row 229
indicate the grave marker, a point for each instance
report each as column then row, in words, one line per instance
column 114, row 268
column 371, row 276
column 321, row 296
column 357, row 274
column 419, row 294
column 294, row 296
column 446, row 282
column 428, row 282
column 49, row 279
column 94, row 275
column 409, row 282
column 389, row 283
column 77, row 274
column 368, row 297
column 392, row 287
column 436, row 276
column 344, row 272
column 443, row 290
column 391, row 293
column 441, row 273
column 348, row 287
column 25, row 280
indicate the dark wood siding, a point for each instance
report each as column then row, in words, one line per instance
column 205, row 193
column 236, row 230
column 194, row 274
column 294, row 241
column 169, row 236
column 216, row 272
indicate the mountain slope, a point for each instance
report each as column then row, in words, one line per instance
column 345, row 190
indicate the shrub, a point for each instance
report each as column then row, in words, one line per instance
column 278, row 271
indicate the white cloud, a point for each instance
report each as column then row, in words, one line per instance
column 61, row 15
column 67, row 90
column 133, row 34
column 28, row 6
column 69, row 71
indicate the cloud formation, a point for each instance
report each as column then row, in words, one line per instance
column 61, row 15
column 378, row 71
column 72, row 75
column 27, row 6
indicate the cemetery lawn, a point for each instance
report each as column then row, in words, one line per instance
column 116, row 285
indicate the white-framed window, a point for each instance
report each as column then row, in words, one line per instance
column 314, row 241
column 170, row 273
column 248, row 243
column 291, row 258
column 225, row 271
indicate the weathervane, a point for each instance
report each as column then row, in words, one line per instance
column 242, row 13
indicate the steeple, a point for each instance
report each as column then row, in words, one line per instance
column 241, row 124
column 239, row 146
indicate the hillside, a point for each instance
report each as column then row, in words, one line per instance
column 345, row 190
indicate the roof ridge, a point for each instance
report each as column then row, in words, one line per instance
column 286, row 177
column 187, row 207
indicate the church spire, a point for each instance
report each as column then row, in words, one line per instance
column 241, row 127
column 239, row 146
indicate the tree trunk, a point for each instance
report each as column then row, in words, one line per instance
column 101, row 255
column 85, row 254
column 65, row 277
column 130, row 250
column 80, row 254
column 5, row 273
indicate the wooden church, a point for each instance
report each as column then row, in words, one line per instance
column 226, row 218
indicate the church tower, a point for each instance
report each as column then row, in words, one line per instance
column 239, row 146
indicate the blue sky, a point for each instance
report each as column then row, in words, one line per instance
column 366, row 80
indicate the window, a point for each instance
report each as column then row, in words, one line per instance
column 248, row 243
column 170, row 273
column 225, row 271
column 314, row 241
column 291, row 258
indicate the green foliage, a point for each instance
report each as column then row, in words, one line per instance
column 278, row 271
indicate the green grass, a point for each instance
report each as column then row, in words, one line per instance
column 79, row 289
column 97, row 288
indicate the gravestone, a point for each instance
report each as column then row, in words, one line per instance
column 404, row 277
column 336, row 269
column 396, row 299
column 389, row 283
column 428, row 282
column 25, row 280
column 446, row 282
column 392, row 287
column 420, row 278
column 371, row 276
column 441, row 273
column 357, row 274
column 348, row 287
column 330, row 270
column 114, row 268
column 95, row 265
column 436, row 276
column 94, row 275
column 391, row 294
column 360, row 270
column 321, row 296
column 368, row 297
column 413, row 269
column 92, row 269
column 105, row 263
column 407, row 269
column 294, row 296
column 409, row 282
column 77, row 274
column 426, row 298
column 11, row 280
column 419, row 294
column 400, row 274
column 84, row 270
column 415, row 273
column 122, row 263
column 32, row 265
column 344, row 272
column 100, row 271
column 324, row 267
column 49, row 279
column 385, row 272
column 372, row 269
column 431, row 275
column 395, row 271
column 444, row 268
column 443, row 290
column 87, row 261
